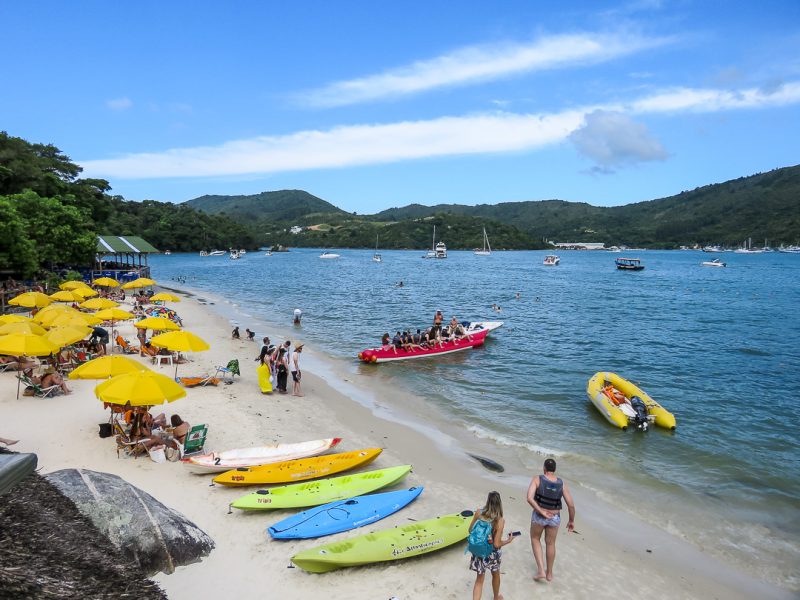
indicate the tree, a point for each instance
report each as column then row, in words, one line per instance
column 17, row 251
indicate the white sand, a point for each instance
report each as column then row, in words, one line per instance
column 609, row 558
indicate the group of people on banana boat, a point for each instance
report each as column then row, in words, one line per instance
column 435, row 336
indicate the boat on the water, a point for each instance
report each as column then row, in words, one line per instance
column 487, row 248
column 235, row 255
column 314, row 493
column 629, row 264
column 342, row 515
column 624, row 404
column 403, row 541
column 217, row 253
column 376, row 257
column 203, row 253
column 438, row 250
column 301, row 469
column 167, row 252
column 329, row 255
column 551, row 260
column 476, row 335
column 216, row 462
column 712, row 249
column 268, row 253
column 713, row 263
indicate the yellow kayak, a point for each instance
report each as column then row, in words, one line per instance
column 298, row 470
column 624, row 404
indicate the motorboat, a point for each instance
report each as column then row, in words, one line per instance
column 712, row 249
column 437, row 250
column 217, row 253
column 713, row 263
column 167, row 252
column 476, row 333
column 551, row 260
column 235, row 255
column 242, row 252
column 624, row 404
column 629, row 264
column 487, row 248
column 329, row 255
column 203, row 253
column 268, row 253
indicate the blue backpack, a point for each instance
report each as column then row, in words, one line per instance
column 478, row 541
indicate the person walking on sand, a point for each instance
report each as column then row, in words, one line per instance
column 544, row 495
column 295, row 368
column 485, row 543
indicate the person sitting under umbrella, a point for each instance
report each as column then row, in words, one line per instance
column 100, row 339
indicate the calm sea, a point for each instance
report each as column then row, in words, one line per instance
column 717, row 347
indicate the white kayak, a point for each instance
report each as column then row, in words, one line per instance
column 217, row 462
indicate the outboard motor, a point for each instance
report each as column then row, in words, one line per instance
column 642, row 421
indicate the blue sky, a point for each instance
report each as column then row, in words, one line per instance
column 373, row 105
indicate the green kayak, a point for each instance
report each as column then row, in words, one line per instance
column 314, row 493
column 389, row 544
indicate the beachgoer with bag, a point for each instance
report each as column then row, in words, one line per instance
column 485, row 542
column 282, row 370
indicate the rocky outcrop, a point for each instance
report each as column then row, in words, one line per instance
column 150, row 534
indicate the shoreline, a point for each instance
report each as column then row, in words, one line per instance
column 239, row 415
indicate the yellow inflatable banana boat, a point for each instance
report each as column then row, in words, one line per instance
column 624, row 404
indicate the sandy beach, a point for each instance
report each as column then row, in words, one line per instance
column 609, row 556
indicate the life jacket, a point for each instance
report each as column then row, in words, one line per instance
column 548, row 494
column 478, row 541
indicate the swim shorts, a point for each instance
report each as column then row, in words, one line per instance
column 540, row 520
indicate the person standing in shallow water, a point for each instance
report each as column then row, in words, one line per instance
column 544, row 495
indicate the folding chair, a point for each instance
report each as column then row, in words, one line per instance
column 195, row 440
column 198, row 381
column 124, row 346
column 232, row 368
column 39, row 391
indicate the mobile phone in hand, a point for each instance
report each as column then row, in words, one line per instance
column 515, row 533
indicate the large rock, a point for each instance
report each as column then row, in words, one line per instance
column 155, row 537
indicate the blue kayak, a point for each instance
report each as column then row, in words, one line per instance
column 342, row 515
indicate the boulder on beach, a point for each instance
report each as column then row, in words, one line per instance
column 150, row 534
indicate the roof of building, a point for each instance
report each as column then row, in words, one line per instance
column 128, row 244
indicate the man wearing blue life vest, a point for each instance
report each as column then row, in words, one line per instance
column 544, row 495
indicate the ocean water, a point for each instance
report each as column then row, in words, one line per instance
column 717, row 347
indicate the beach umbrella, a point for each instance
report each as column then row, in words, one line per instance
column 140, row 388
column 164, row 297
column 4, row 319
column 85, row 292
column 106, row 282
column 156, row 324
column 98, row 304
column 31, row 300
column 180, row 341
column 72, row 285
column 25, row 344
column 73, row 318
column 104, row 367
column 163, row 311
column 45, row 316
column 23, row 327
column 113, row 314
column 67, row 334
column 66, row 296
column 138, row 283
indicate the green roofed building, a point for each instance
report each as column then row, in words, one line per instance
column 122, row 257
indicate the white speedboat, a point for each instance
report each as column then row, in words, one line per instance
column 713, row 263
column 217, row 253
column 235, row 255
column 329, row 255
column 437, row 250
column 268, row 253
column 167, row 252
column 551, row 260
column 487, row 249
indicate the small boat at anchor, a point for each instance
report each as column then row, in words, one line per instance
column 218, row 462
column 551, row 260
column 628, row 264
column 487, row 248
column 713, row 263
column 624, row 404
column 329, row 255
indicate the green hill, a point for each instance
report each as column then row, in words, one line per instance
column 762, row 206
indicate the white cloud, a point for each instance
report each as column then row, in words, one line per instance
column 119, row 103
column 357, row 145
column 613, row 139
column 480, row 63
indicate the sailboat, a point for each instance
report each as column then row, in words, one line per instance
column 376, row 257
column 432, row 252
column 487, row 249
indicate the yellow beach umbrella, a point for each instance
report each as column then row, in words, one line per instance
column 25, row 344
column 104, row 367
column 156, row 324
column 85, row 292
column 140, row 388
column 72, row 285
column 76, row 318
column 31, row 300
column 66, row 296
column 67, row 334
column 106, row 282
column 5, row 319
column 98, row 304
column 114, row 314
column 180, row 341
column 45, row 316
column 164, row 297
column 138, row 283
column 24, row 327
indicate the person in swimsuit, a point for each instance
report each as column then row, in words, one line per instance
column 544, row 495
